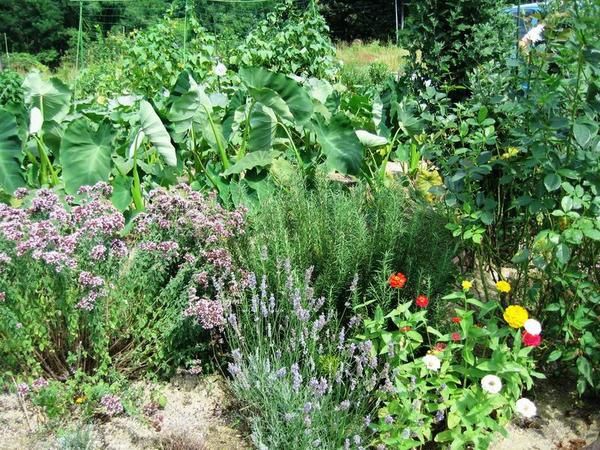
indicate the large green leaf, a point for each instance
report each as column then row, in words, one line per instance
column 263, row 127
column 157, row 133
column 85, row 154
column 194, row 109
column 340, row 144
column 252, row 160
column 285, row 96
column 52, row 96
column 10, row 149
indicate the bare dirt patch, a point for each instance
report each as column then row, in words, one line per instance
column 194, row 418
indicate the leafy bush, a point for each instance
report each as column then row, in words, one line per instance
column 457, row 386
column 343, row 233
column 148, row 61
column 24, row 63
column 76, row 295
column 520, row 164
column 457, row 36
column 10, row 87
column 290, row 42
column 292, row 366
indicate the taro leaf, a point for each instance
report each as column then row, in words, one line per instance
column 121, row 196
column 320, row 90
column 51, row 96
column 10, row 149
column 194, row 109
column 252, row 160
column 408, row 122
column 234, row 113
column 157, row 133
column 263, row 127
column 370, row 139
column 85, row 154
column 285, row 96
column 339, row 143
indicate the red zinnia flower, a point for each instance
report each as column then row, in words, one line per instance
column 455, row 337
column 422, row 301
column 456, row 319
column 531, row 340
column 397, row 280
column 439, row 347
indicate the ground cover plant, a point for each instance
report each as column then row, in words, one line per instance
column 383, row 253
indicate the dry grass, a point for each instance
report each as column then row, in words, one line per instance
column 359, row 54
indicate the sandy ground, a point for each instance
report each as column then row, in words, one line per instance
column 563, row 423
column 194, row 418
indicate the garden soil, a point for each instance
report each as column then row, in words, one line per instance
column 195, row 418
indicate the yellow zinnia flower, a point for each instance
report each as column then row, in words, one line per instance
column 516, row 316
column 466, row 285
column 503, row 286
column 80, row 400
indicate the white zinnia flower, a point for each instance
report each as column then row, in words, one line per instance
column 533, row 327
column 526, row 408
column 36, row 120
column 220, row 70
column 432, row 362
column 427, row 83
column 491, row 384
column 534, row 35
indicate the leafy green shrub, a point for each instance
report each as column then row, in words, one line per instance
column 520, row 164
column 24, row 63
column 148, row 61
column 10, row 87
column 458, row 386
column 304, row 383
column 456, row 36
column 290, row 42
column 343, row 233
column 77, row 296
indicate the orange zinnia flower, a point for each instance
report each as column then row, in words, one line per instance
column 456, row 319
column 397, row 280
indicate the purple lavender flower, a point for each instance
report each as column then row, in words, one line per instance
column 389, row 419
column 112, row 404
column 307, row 407
column 234, row 369
column 344, row 406
column 296, row 377
column 439, row 416
column 281, row 373
column 319, row 386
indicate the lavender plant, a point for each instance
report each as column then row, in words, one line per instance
column 306, row 384
column 77, row 293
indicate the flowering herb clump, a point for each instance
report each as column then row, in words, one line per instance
column 310, row 384
column 81, row 290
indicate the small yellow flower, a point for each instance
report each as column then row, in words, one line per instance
column 80, row 400
column 516, row 316
column 101, row 100
column 466, row 285
column 503, row 286
column 510, row 153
